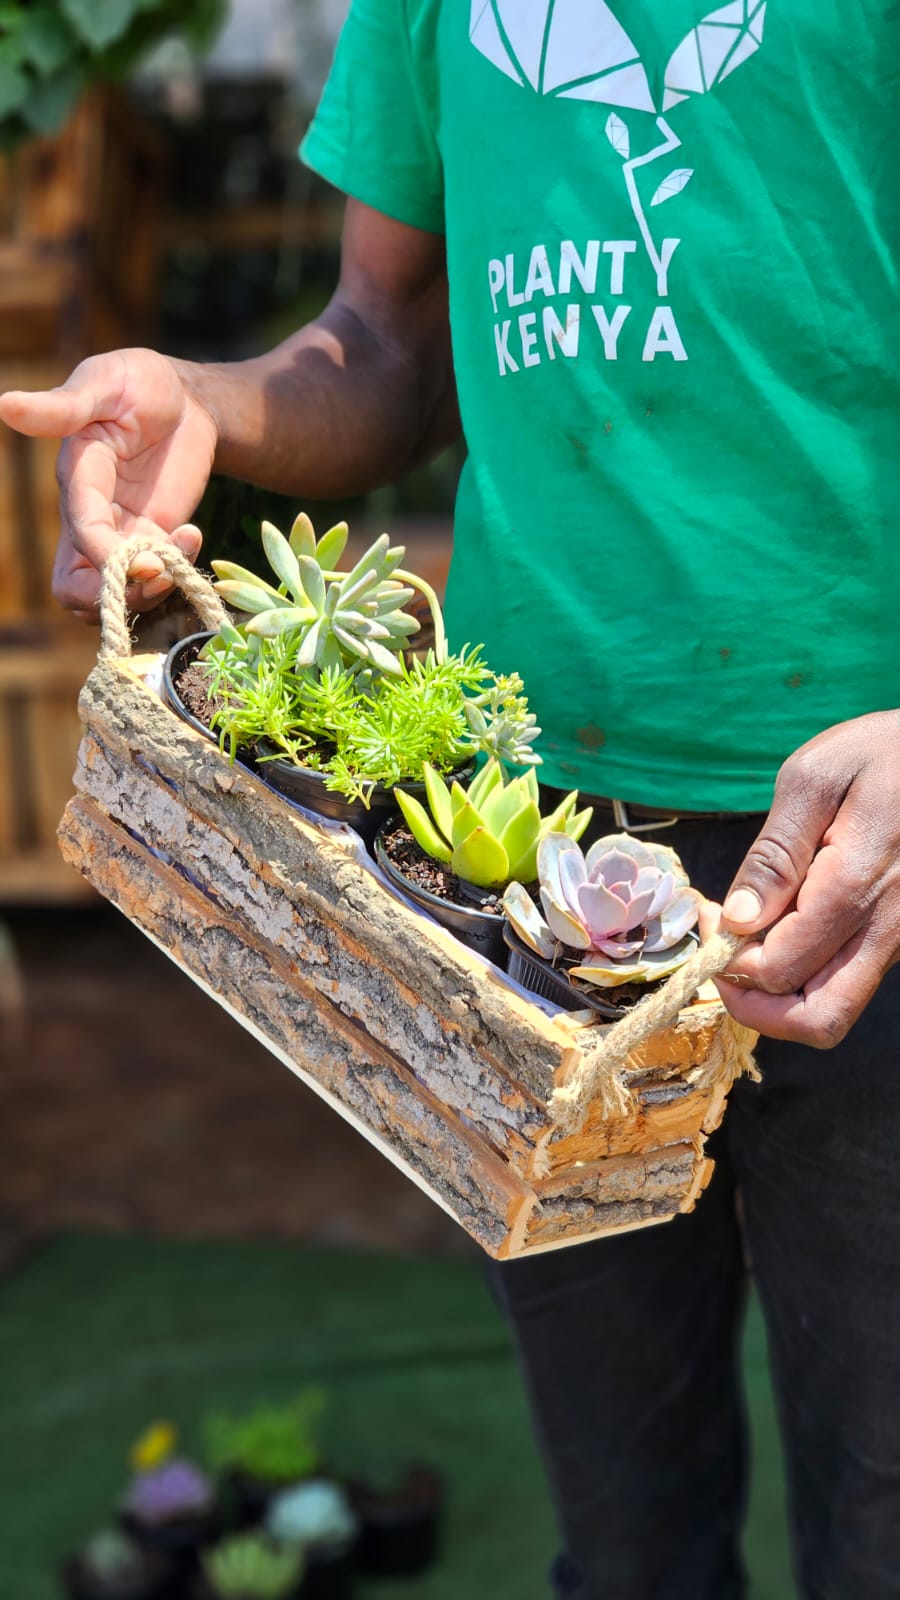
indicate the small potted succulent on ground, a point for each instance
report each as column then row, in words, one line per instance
column 264, row 1452
column 317, row 1518
column 320, row 684
column 250, row 1567
column 456, row 858
column 111, row 1566
column 400, row 1520
column 170, row 1504
column 617, row 919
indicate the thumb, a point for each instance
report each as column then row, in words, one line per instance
column 90, row 394
column 775, row 866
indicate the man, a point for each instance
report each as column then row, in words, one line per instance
column 670, row 248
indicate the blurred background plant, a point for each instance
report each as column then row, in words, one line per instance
column 52, row 50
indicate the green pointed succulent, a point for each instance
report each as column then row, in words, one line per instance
column 352, row 619
column 488, row 834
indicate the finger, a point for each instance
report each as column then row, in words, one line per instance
column 76, row 584
column 91, row 394
column 87, row 472
column 823, row 1012
column 710, row 915
column 189, row 540
column 776, row 864
column 832, row 904
column 78, row 591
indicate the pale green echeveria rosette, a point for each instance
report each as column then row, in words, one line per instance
column 491, row 832
column 626, row 900
column 343, row 620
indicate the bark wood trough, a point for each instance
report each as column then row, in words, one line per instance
column 426, row 1049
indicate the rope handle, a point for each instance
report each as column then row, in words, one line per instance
column 115, row 635
column 599, row 1073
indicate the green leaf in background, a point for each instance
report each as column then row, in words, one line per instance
column 51, row 102
column 12, row 46
column 14, row 87
column 100, row 22
column 47, row 40
column 204, row 22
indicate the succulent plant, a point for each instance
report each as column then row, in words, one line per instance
column 626, row 900
column 176, row 1489
column 312, row 1513
column 276, row 1444
column 499, row 721
column 248, row 1567
column 490, row 833
column 111, row 1557
column 351, row 620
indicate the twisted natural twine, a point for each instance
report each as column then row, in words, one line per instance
column 115, row 635
column 599, row 1075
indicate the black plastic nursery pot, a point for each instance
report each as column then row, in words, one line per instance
column 481, row 931
column 329, row 1573
column 247, row 1498
column 181, row 1540
column 539, row 977
column 158, row 1581
column 400, row 1533
column 307, row 788
column 181, row 656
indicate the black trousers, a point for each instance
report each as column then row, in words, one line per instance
column 629, row 1346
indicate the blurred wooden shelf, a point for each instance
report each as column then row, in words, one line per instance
column 80, row 246
column 42, row 669
column 41, row 877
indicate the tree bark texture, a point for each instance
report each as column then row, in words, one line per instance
column 427, row 1049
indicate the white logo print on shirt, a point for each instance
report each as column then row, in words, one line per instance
column 578, row 50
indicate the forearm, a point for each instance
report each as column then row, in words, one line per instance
column 340, row 408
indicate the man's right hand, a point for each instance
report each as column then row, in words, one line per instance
column 136, row 456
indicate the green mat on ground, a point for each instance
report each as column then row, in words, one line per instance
column 98, row 1336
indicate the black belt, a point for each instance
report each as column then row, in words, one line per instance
column 659, row 817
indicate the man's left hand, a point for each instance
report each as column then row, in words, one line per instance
column 821, row 886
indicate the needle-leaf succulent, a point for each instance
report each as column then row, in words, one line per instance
column 489, row 833
column 276, row 1444
column 625, row 908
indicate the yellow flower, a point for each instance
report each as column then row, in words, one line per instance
column 154, row 1447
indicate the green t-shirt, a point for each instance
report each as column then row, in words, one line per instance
column 672, row 254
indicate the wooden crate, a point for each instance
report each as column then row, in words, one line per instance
column 41, row 671
column 429, row 1052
